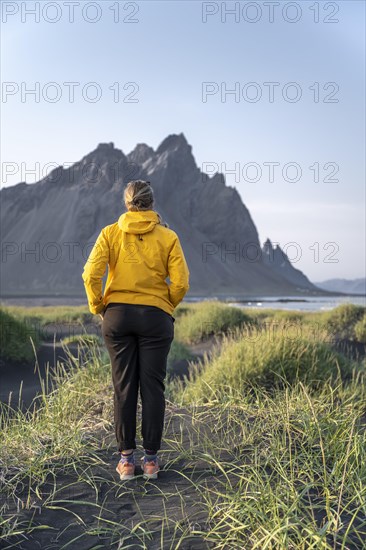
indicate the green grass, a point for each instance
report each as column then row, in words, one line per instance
column 21, row 328
column 291, row 417
column 274, row 354
column 278, row 430
column 83, row 339
column 360, row 330
column 293, row 467
column 55, row 427
column 342, row 320
column 16, row 336
column 51, row 314
column 201, row 320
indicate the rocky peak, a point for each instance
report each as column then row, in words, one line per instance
column 177, row 150
column 141, row 153
column 106, row 146
column 105, row 164
column 274, row 255
column 174, row 142
column 104, row 152
column 267, row 246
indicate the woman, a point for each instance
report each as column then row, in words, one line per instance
column 138, row 326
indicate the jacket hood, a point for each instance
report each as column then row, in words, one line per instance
column 138, row 222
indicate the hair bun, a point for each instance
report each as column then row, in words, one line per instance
column 139, row 195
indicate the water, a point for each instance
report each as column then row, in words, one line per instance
column 318, row 303
column 293, row 303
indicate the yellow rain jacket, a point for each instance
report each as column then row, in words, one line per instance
column 140, row 253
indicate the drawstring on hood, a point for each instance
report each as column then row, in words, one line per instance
column 138, row 222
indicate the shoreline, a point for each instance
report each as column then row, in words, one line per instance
column 36, row 300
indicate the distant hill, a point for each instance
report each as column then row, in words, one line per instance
column 48, row 227
column 348, row 286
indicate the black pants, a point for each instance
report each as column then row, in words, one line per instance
column 138, row 340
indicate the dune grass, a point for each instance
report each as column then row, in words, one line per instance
column 65, row 409
column 269, row 355
column 20, row 326
column 200, row 320
column 82, row 339
column 342, row 320
column 360, row 330
column 278, row 423
column 292, row 417
column 50, row 314
column 293, row 472
column 15, row 333
column 339, row 322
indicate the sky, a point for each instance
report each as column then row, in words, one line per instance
column 290, row 137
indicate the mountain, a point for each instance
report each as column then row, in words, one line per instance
column 348, row 286
column 49, row 227
column 278, row 261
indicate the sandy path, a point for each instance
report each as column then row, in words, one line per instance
column 105, row 501
column 167, row 507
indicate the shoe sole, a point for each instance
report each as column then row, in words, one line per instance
column 148, row 476
column 123, row 477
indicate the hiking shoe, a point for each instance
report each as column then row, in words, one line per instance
column 150, row 468
column 126, row 469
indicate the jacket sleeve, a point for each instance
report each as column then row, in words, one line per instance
column 178, row 273
column 94, row 271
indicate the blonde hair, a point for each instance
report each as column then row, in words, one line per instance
column 138, row 195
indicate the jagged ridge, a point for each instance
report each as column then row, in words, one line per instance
column 59, row 218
